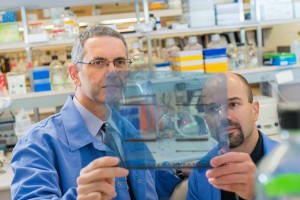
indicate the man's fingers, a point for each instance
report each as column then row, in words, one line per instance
column 241, row 190
column 230, row 157
column 103, row 187
column 232, row 179
column 231, row 168
column 91, row 196
column 100, row 174
column 101, row 162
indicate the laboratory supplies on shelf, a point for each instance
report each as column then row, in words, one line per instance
column 56, row 74
column 215, row 42
column 198, row 13
column 190, row 60
column 137, row 57
column 170, row 49
column 193, row 44
column 66, row 76
column 215, row 60
column 16, row 83
column 70, row 23
column 295, row 48
column 282, row 59
column 40, row 79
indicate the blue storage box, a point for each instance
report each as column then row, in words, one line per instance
column 214, row 53
column 40, row 73
column 130, row 110
column 42, row 86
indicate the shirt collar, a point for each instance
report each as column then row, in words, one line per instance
column 92, row 122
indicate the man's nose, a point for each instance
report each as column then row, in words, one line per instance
column 110, row 66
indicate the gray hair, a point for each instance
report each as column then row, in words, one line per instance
column 91, row 32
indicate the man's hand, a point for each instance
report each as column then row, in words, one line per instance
column 97, row 180
column 234, row 172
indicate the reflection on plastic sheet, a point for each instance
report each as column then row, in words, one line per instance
column 164, row 122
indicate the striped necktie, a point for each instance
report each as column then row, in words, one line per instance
column 109, row 141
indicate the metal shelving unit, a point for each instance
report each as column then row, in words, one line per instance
column 57, row 98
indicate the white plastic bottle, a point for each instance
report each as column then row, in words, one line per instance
column 193, row 44
column 295, row 48
column 170, row 49
column 158, row 23
column 137, row 57
column 56, row 74
column 215, row 42
column 67, row 79
column 70, row 23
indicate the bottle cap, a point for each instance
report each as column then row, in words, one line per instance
column 54, row 57
column 193, row 39
column 135, row 45
column 170, row 42
column 215, row 37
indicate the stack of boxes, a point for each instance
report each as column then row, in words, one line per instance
column 228, row 13
column 40, row 79
column 198, row 13
column 215, row 60
column 131, row 113
column 276, row 9
column 191, row 60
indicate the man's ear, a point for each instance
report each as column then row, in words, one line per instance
column 74, row 74
column 255, row 110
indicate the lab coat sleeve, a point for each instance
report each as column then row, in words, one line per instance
column 36, row 177
column 192, row 187
column 166, row 182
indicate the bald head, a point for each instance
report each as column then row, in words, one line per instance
column 219, row 83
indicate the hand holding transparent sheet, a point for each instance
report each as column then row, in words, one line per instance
column 161, row 123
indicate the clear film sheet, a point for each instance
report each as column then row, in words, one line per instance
column 162, row 122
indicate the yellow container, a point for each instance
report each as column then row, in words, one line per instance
column 188, row 68
column 217, row 67
column 187, row 58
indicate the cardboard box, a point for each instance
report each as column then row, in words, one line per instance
column 81, row 11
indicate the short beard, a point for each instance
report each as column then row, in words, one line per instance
column 235, row 140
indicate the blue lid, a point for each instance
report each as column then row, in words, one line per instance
column 165, row 64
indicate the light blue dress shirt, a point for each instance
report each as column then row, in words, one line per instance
column 48, row 159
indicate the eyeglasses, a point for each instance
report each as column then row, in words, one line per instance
column 120, row 63
column 222, row 109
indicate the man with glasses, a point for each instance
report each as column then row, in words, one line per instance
column 231, row 175
column 65, row 155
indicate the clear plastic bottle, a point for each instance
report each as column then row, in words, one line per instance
column 137, row 57
column 193, row 44
column 215, row 42
column 70, row 23
column 67, row 79
column 152, row 21
column 58, row 32
column 170, row 49
column 56, row 74
column 242, row 56
column 232, row 53
column 252, row 56
column 278, row 174
column 295, row 48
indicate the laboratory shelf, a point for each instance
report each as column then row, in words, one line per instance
column 34, row 4
column 57, row 98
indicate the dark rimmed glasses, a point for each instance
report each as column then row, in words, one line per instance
column 119, row 64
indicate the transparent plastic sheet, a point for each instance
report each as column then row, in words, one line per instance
column 160, row 122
